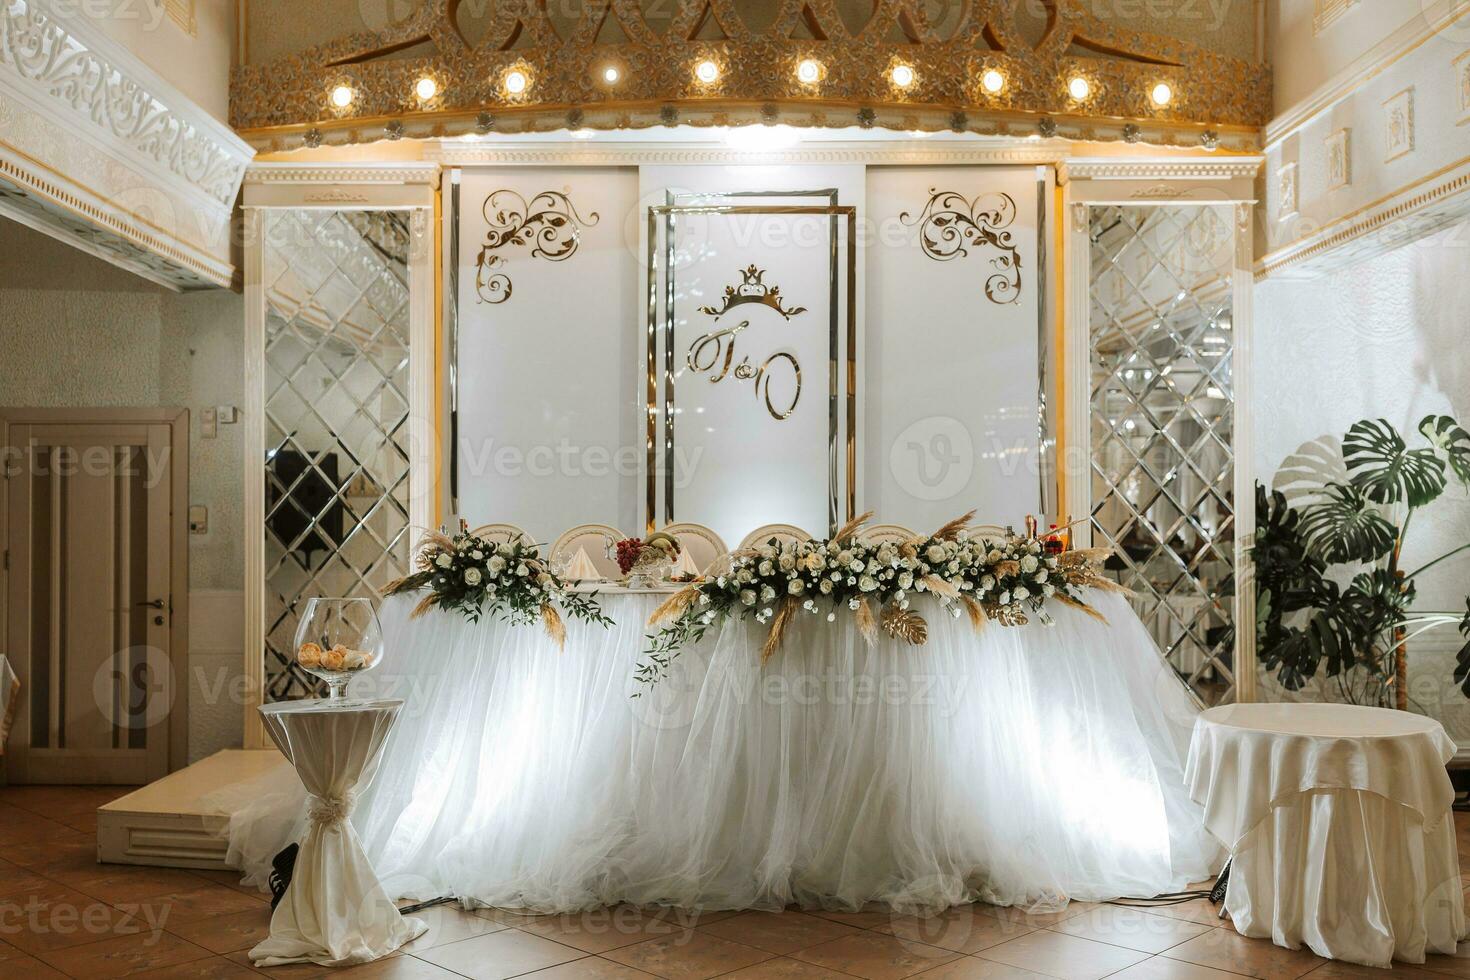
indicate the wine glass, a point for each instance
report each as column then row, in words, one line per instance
column 338, row 639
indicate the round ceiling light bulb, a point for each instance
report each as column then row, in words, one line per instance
column 610, row 74
column 342, row 96
column 707, row 71
column 1162, row 94
column 516, row 81
column 1079, row 88
column 993, row 81
column 808, row 71
column 903, row 76
column 426, row 89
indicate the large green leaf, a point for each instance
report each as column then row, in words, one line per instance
column 1381, row 465
column 1451, row 439
column 1462, row 659
column 1346, row 527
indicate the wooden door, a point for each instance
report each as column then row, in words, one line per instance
column 89, row 600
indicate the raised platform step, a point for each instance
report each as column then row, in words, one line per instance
column 165, row 824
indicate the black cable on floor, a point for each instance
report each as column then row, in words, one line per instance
column 420, row 906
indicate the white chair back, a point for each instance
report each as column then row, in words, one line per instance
column 988, row 532
column 781, row 532
column 595, row 539
column 702, row 544
column 501, row 533
column 880, row 533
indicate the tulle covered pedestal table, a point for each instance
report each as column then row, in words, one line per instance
column 1020, row 766
column 335, row 912
column 1338, row 819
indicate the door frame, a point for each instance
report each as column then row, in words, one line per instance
column 177, row 419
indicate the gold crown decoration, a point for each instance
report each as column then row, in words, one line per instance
column 520, row 67
column 752, row 290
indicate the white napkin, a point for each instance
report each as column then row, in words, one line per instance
column 685, row 565
column 581, row 569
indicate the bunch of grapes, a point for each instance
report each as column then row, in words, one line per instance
column 628, row 551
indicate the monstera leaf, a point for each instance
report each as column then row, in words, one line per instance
column 1452, row 440
column 1346, row 527
column 1462, row 659
column 1381, row 465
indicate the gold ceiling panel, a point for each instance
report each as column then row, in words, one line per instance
column 289, row 101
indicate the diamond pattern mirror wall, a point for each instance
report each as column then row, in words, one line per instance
column 1162, row 464
column 336, row 417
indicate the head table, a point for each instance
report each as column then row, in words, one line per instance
column 1014, row 765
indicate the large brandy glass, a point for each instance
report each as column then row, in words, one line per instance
column 337, row 639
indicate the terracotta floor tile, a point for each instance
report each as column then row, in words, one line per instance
column 1163, row 968
column 965, row 929
column 1036, row 920
column 589, row 968
column 690, row 955
column 785, row 968
column 1350, row 971
column 1457, row 965
column 974, row 968
column 869, row 918
column 502, row 954
column 114, row 884
column 201, row 902
column 778, row 932
column 599, row 930
column 450, row 924
column 213, row 968
column 875, row 956
column 1059, row 955
column 400, row 967
column 1199, row 911
column 124, row 956
column 57, row 917
column 1225, row 949
column 14, row 963
column 226, row 933
column 1129, row 927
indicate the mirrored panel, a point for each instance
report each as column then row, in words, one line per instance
column 1161, row 343
column 336, row 417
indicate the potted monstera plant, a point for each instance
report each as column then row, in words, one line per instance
column 1332, row 594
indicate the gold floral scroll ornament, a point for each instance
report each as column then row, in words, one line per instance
column 950, row 225
column 717, row 348
column 548, row 223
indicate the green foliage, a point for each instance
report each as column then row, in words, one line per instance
column 1306, row 622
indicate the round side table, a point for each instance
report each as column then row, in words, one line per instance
column 334, row 912
column 1339, row 825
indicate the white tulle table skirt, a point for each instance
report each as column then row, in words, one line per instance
column 1018, row 766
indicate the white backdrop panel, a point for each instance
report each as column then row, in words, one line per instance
column 735, row 463
column 951, row 372
column 550, row 377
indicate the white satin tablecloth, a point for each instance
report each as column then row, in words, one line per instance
column 334, row 913
column 1338, row 818
column 1019, row 766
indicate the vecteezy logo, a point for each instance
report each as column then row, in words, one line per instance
column 933, row 458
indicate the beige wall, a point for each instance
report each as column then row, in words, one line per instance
column 76, row 331
column 1302, row 60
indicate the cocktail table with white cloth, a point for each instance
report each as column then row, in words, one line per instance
column 1338, row 819
column 1020, row 765
column 334, row 913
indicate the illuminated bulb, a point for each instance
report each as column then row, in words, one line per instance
column 903, row 76
column 808, row 71
column 610, row 74
column 1079, row 88
column 516, row 81
column 707, row 72
column 1162, row 94
column 426, row 88
column 993, row 81
column 341, row 96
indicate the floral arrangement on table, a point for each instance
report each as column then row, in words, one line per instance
column 475, row 576
column 1005, row 580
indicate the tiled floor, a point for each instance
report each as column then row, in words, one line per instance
column 62, row 914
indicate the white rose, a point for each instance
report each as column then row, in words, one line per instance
column 826, row 586
column 795, row 587
column 857, row 565
column 1029, row 564
column 443, row 561
column 1048, row 589
column 766, row 568
column 1005, row 598
column 1041, row 575
column 472, row 576
column 477, row 555
column 767, row 593
column 1020, row 593
column 522, row 571
column 747, row 596
column 935, row 553
column 853, row 603
column 496, row 565
column 905, row 580
column 867, row 583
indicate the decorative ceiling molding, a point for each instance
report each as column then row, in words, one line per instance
column 1207, row 168
column 112, row 156
column 1406, row 215
column 287, row 102
column 456, row 153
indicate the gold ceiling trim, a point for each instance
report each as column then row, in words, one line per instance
column 288, row 100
